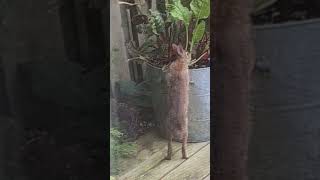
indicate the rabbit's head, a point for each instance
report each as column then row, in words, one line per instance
column 180, row 54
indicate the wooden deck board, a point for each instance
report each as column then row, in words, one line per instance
column 149, row 164
column 207, row 178
column 166, row 166
column 158, row 147
column 147, row 145
column 196, row 167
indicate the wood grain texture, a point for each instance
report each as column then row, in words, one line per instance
column 166, row 166
column 196, row 167
column 147, row 145
column 149, row 163
column 152, row 162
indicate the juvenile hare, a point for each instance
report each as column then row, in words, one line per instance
column 177, row 78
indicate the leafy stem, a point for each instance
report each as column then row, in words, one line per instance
column 192, row 41
column 199, row 58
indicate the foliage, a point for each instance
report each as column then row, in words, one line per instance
column 179, row 22
column 179, row 12
column 135, row 94
column 198, row 33
column 200, row 9
column 119, row 148
column 156, row 22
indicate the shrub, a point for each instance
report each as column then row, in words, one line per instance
column 119, row 148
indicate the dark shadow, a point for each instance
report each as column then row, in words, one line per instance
column 53, row 116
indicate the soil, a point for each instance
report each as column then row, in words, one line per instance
column 133, row 121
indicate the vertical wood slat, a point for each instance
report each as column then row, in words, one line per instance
column 126, row 32
column 135, row 37
column 127, row 26
column 130, row 38
column 131, row 33
column 145, row 6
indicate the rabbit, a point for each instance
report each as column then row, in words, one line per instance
column 177, row 78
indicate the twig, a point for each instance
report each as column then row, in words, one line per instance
column 130, row 4
column 145, row 60
column 195, row 61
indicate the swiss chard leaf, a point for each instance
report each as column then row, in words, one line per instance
column 198, row 32
column 200, row 8
column 156, row 22
column 179, row 12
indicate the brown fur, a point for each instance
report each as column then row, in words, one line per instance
column 178, row 98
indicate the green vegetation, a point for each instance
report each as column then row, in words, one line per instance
column 119, row 148
column 179, row 22
column 200, row 10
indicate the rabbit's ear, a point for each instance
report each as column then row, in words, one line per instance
column 175, row 47
column 178, row 49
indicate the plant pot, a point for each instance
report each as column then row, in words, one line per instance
column 199, row 103
column 285, row 103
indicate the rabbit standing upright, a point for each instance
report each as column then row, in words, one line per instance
column 177, row 78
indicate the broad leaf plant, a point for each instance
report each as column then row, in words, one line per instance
column 179, row 23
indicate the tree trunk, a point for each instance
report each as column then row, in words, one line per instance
column 233, row 63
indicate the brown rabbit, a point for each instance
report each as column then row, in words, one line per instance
column 178, row 98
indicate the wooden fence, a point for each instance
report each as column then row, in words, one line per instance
column 131, row 33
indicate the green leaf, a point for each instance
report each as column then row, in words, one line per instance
column 156, row 22
column 179, row 12
column 114, row 133
column 200, row 8
column 198, row 32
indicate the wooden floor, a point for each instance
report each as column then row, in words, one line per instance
column 149, row 164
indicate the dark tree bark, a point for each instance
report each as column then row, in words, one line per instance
column 233, row 63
